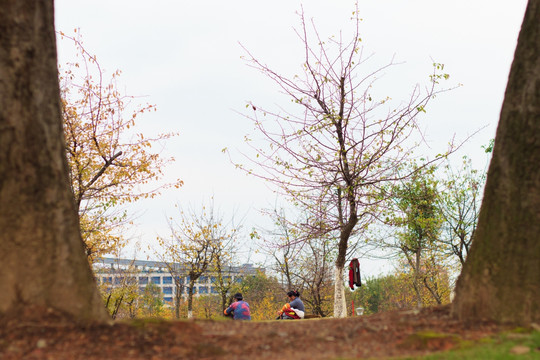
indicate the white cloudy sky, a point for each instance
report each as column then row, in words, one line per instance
column 184, row 56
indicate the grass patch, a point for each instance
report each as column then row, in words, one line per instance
column 429, row 340
column 505, row 346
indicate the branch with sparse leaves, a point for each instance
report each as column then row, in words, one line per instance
column 110, row 163
column 341, row 143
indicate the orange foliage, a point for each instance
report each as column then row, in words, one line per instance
column 110, row 163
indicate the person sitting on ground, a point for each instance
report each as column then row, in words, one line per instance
column 239, row 310
column 294, row 309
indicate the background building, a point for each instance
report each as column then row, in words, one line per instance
column 113, row 272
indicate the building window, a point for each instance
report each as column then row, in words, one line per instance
column 213, row 289
column 143, row 280
column 107, row 280
column 168, row 299
column 203, row 290
column 167, row 279
column 238, row 280
column 203, row 279
column 118, row 280
column 167, row 290
column 156, row 279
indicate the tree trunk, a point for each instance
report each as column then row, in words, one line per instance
column 417, row 277
column 340, row 305
column 501, row 276
column 433, row 292
column 190, row 301
column 178, row 290
column 42, row 256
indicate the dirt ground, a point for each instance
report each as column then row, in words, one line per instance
column 400, row 333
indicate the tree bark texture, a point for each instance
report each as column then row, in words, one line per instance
column 340, row 304
column 42, row 260
column 501, row 277
column 190, row 300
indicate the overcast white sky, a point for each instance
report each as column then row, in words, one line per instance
column 184, row 57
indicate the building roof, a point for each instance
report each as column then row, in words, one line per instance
column 119, row 263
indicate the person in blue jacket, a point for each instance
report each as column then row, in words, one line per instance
column 239, row 310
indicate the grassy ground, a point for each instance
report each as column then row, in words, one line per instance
column 519, row 344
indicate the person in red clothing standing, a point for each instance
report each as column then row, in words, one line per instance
column 238, row 310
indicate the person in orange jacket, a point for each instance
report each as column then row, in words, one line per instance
column 294, row 309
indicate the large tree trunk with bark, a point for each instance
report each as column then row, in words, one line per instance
column 42, row 260
column 501, row 277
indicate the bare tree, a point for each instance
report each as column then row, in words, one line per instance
column 119, row 289
column 315, row 272
column 282, row 245
column 177, row 272
column 301, row 265
column 346, row 143
column 221, row 268
column 190, row 244
column 202, row 243
column 460, row 199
